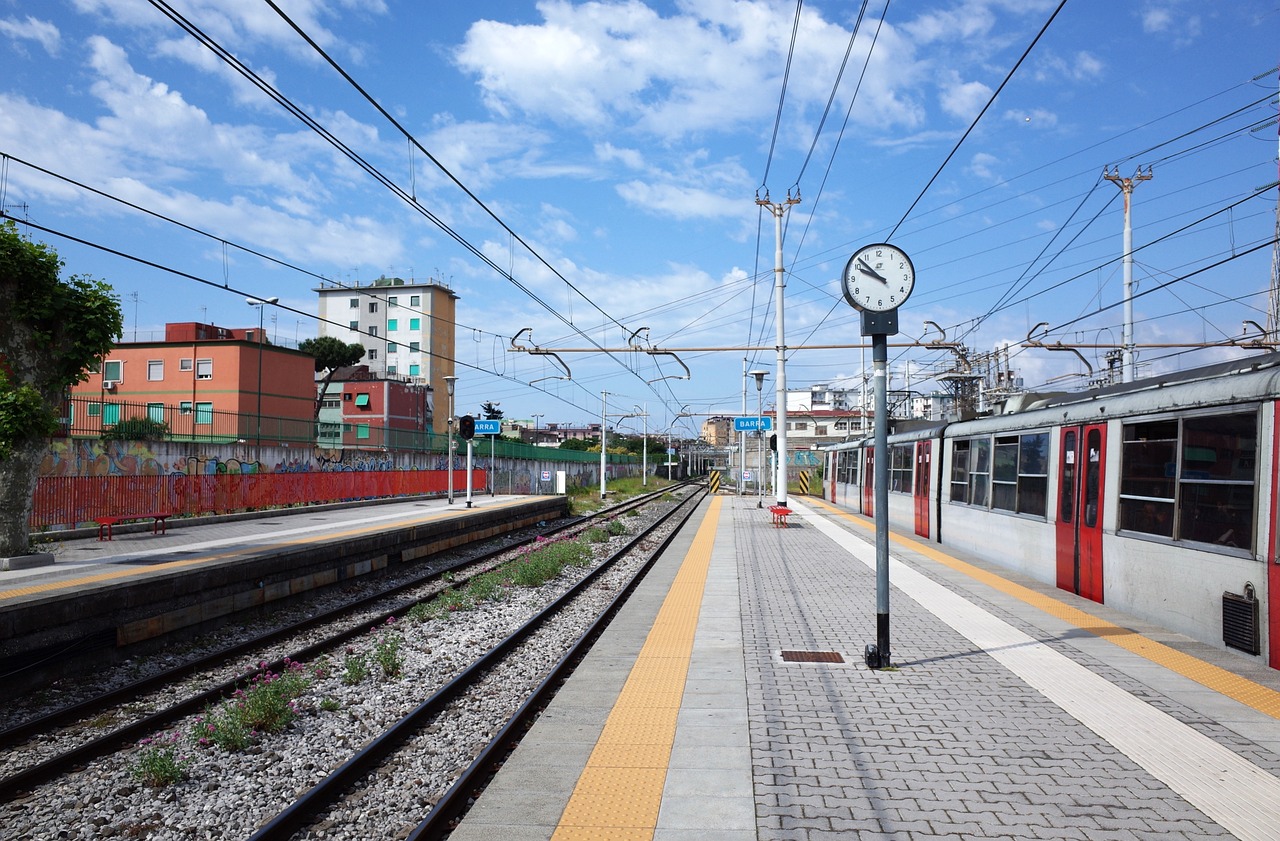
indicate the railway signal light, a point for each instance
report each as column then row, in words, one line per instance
column 467, row 427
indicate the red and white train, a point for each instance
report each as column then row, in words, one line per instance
column 1157, row 497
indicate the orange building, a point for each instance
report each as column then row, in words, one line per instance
column 365, row 410
column 203, row 382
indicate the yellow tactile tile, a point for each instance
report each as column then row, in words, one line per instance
column 1255, row 695
column 621, row 755
column 619, row 793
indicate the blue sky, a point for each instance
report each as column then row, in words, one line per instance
column 622, row 146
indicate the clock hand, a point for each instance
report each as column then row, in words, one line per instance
column 866, row 269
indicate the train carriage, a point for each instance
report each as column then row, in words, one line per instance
column 1156, row 497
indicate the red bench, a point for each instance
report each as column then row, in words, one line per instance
column 105, row 524
column 159, row 523
column 779, row 513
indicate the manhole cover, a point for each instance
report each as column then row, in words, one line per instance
column 812, row 657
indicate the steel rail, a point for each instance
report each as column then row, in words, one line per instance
column 96, row 748
column 328, row 791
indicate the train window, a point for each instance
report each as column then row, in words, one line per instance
column 1215, row 483
column 1033, row 474
column 1004, row 477
column 1149, row 464
column 1092, row 473
column 1020, row 473
column 847, row 467
column 1191, row 480
column 1067, row 494
column 901, row 457
column 971, row 471
column 980, row 472
column 960, row 471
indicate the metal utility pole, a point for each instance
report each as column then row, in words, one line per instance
column 779, row 210
column 1126, row 186
column 742, row 436
column 604, row 445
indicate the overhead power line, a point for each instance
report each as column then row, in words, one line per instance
column 978, row 118
column 405, row 196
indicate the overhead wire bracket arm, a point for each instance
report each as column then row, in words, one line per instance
column 940, row 342
column 516, row 347
column 1260, row 342
column 1057, row 346
column 686, row 374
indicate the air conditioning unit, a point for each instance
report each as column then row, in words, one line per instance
column 110, row 385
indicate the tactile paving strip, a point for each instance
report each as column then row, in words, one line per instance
column 619, row 793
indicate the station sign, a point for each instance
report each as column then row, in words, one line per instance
column 488, row 427
column 744, row 424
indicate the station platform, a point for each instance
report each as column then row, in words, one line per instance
column 82, row 561
column 102, row 601
column 729, row 701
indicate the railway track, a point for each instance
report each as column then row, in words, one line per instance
column 448, row 672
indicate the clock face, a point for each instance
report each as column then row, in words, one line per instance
column 878, row 278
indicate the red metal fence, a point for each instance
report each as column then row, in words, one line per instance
column 70, row 500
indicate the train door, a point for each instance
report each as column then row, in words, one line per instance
column 1273, row 555
column 920, row 488
column 1081, row 459
column 868, row 481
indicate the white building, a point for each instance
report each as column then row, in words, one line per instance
column 406, row 327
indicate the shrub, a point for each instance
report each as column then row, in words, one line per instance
column 386, row 653
column 159, row 764
column 488, row 587
column 355, row 668
column 267, row 705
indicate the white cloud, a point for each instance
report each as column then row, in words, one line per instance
column 1170, row 18
column 984, row 166
column 961, row 23
column 962, row 100
column 1081, row 67
column 681, row 202
column 606, row 65
column 42, row 32
column 630, row 158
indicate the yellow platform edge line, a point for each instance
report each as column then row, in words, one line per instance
column 630, row 810
column 1250, row 693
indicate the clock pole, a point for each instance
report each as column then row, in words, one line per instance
column 879, row 658
column 877, row 280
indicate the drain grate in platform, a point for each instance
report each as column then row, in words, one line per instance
column 812, row 657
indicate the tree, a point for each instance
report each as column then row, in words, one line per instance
column 331, row 353
column 490, row 411
column 580, row 445
column 52, row 331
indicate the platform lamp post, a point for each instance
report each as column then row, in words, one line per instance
column 260, row 303
column 760, row 375
column 450, row 383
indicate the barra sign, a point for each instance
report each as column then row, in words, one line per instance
column 488, row 427
column 750, row 424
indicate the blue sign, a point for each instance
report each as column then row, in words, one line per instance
column 739, row 424
column 488, row 427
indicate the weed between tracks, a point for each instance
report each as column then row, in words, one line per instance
column 272, row 701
